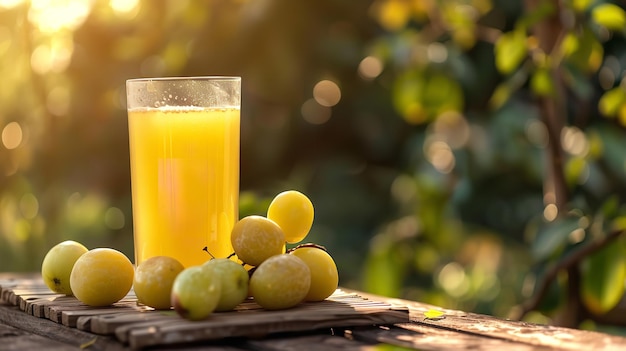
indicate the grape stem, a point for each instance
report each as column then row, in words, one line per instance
column 206, row 248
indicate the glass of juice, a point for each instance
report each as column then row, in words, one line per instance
column 184, row 162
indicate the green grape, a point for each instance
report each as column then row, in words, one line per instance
column 256, row 238
column 280, row 282
column 101, row 277
column 196, row 292
column 293, row 212
column 153, row 281
column 324, row 275
column 234, row 280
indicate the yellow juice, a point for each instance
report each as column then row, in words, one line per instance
column 185, row 181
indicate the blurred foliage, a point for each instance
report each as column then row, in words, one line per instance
column 415, row 126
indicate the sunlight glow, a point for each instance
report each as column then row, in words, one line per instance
column 51, row 16
column 52, row 58
column 327, row 93
column 9, row 4
column 124, row 7
column 58, row 101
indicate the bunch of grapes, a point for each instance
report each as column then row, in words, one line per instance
column 284, row 279
column 274, row 277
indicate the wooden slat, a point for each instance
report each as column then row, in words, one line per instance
column 140, row 326
column 14, row 339
column 252, row 321
column 535, row 335
column 12, row 316
column 426, row 338
column 528, row 333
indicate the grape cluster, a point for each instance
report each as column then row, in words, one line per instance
column 284, row 279
column 276, row 278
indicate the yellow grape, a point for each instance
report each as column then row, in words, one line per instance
column 256, row 238
column 196, row 292
column 324, row 275
column 280, row 282
column 153, row 281
column 101, row 277
column 293, row 212
column 58, row 263
column 234, row 280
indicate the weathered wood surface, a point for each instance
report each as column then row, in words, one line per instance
column 349, row 321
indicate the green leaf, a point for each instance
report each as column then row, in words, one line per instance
column 611, row 101
column 434, row 314
column 574, row 169
column 603, row 275
column 610, row 16
column 541, row 83
column 583, row 50
column 420, row 96
column 581, row 5
column 553, row 236
column 505, row 90
column 510, row 50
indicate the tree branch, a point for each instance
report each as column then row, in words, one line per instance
column 566, row 263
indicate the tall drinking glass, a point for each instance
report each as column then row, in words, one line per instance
column 184, row 161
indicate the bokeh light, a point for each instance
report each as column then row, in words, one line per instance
column 453, row 279
column 114, row 218
column 12, row 135
column 537, row 133
column 315, row 113
column 54, row 15
column 29, row 206
column 52, row 58
column 125, row 8
column 550, row 212
column 370, row 68
column 440, row 155
column 574, row 141
column 327, row 93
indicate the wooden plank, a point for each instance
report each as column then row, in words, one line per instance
column 68, row 313
column 426, row 338
column 13, row 339
column 70, row 318
column 536, row 335
column 317, row 341
column 251, row 324
column 12, row 316
column 140, row 326
column 108, row 324
column 528, row 333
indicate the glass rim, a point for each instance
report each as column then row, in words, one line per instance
column 182, row 78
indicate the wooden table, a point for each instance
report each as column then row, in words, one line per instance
column 33, row 318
